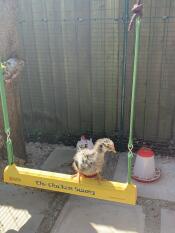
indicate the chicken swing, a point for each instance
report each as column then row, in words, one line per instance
column 105, row 190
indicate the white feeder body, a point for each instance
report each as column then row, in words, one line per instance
column 144, row 167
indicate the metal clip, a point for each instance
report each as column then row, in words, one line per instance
column 8, row 135
column 2, row 66
column 130, row 148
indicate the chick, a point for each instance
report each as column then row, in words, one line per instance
column 84, row 143
column 89, row 162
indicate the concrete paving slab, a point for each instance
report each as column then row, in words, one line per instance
column 21, row 209
column 59, row 156
column 18, row 220
column 121, row 172
column 154, row 190
column 167, row 221
column 94, row 216
column 23, row 198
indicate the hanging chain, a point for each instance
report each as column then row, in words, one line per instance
column 5, row 116
column 130, row 156
column 130, row 148
column 7, row 131
column 8, row 135
column 2, row 66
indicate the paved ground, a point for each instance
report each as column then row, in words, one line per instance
column 151, row 215
column 167, row 221
column 23, row 210
column 82, row 215
column 59, row 159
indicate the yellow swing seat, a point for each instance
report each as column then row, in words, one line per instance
column 58, row 182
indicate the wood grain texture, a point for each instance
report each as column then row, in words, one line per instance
column 74, row 56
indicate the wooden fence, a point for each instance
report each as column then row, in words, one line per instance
column 73, row 51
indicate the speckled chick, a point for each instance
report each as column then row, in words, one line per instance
column 90, row 162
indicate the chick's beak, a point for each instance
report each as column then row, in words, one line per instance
column 114, row 151
column 112, row 148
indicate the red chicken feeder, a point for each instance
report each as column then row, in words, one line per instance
column 144, row 168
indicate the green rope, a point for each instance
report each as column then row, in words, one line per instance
column 130, row 143
column 124, row 63
column 6, row 118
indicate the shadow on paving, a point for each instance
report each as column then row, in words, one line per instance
column 22, row 210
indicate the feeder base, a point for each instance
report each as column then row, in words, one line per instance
column 150, row 180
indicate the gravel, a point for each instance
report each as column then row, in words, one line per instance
column 37, row 153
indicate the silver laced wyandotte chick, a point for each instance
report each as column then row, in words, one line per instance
column 90, row 162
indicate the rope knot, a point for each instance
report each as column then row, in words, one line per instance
column 137, row 12
column 137, row 9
